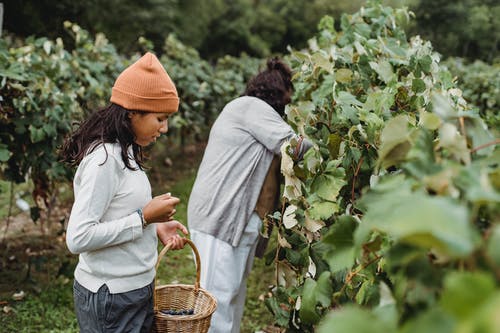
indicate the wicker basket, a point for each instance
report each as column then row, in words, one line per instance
column 183, row 297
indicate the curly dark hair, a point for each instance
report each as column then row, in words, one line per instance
column 109, row 125
column 272, row 85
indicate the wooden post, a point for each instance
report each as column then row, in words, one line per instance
column 1, row 17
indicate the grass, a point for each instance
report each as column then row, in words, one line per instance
column 47, row 278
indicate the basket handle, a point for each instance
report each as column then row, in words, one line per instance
column 198, row 265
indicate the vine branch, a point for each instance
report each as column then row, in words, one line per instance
column 356, row 172
column 494, row 142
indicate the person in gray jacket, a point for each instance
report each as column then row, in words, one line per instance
column 222, row 217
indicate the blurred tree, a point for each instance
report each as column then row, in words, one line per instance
column 260, row 28
column 122, row 21
column 464, row 28
column 467, row 28
column 230, row 31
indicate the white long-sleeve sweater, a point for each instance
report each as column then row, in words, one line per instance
column 104, row 227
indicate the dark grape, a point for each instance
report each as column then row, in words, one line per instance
column 177, row 312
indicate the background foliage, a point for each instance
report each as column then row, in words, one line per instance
column 464, row 28
column 45, row 88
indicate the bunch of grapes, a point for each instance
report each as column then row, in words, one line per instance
column 177, row 312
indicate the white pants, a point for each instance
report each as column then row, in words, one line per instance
column 224, row 272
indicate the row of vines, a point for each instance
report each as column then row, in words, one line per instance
column 391, row 223
column 46, row 87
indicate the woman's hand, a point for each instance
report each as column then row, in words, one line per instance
column 167, row 233
column 160, row 209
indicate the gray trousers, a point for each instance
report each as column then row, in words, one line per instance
column 103, row 312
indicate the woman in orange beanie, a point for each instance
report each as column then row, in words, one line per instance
column 115, row 223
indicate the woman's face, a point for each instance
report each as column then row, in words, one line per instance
column 148, row 126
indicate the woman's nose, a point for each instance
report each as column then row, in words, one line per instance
column 164, row 128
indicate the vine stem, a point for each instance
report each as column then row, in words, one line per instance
column 353, row 274
column 278, row 246
column 462, row 125
column 494, row 142
column 356, row 172
column 9, row 212
column 326, row 125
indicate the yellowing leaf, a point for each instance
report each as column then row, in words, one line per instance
column 429, row 120
column 450, row 138
column 311, row 270
column 289, row 220
column 343, row 75
column 283, row 242
column 286, row 275
column 292, row 189
column 313, row 225
column 286, row 160
column 322, row 61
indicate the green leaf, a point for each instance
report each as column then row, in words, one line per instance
column 437, row 223
column 296, row 258
column 380, row 101
column 394, row 141
column 485, row 319
column 478, row 133
column 442, row 107
column 421, row 161
column 346, row 98
column 398, row 51
column 315, row 293
column 368, row 293
column 384, row 70
column 280, row 315
column 476, row 185
column 324, row 93
column 36, row 134
column 322, row 210
column 432, row 320
column 351, row 319
column 493, row 245
column 464, row 292
column 4, row 153
column 425, row 63
column 418, row 85
column 334, row 141
column 329, row 184
column 340, row 238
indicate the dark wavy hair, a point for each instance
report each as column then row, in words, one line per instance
column 109, row 125
column 272, row 85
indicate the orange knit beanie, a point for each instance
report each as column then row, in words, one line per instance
column 145, row 86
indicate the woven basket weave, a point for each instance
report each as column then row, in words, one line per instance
column 183, row 297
